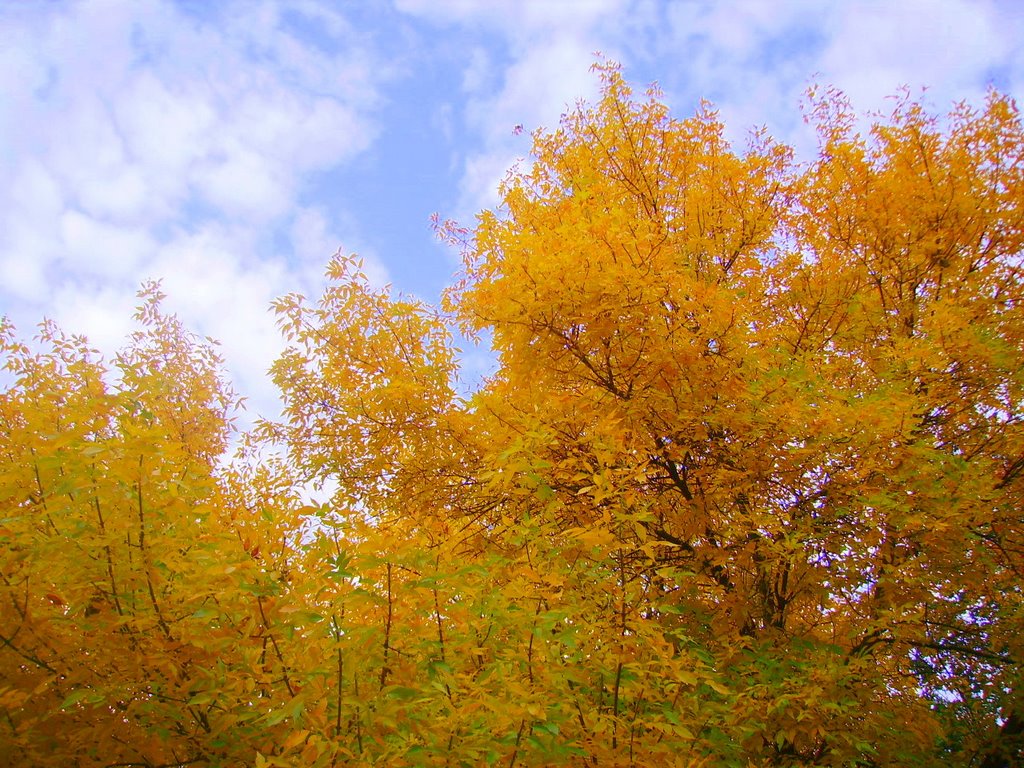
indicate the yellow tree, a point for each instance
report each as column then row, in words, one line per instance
column 745, row 487
column 133, row 615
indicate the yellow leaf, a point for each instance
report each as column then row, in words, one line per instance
column 295, row 738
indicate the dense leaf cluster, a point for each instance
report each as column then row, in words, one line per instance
column 744, row 490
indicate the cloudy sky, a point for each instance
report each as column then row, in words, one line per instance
column 229, row 148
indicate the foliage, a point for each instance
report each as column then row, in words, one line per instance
column 132, row 593
column 745, row 488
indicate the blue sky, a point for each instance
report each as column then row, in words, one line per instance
column 229, row 148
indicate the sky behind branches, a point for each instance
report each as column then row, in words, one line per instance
column 230, row 148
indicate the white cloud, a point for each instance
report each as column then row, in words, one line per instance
column 479, row 71
column 92, row 247
column 34, row 205
column 443, row 120
column 24, row 279
column 167, row 127
column 518, row 19
column 101, row 312
column 550, row 50
column 241, row 184
column 531, row 93
column 314, row 240
column 214, row 288
column 149, row 139
column 530, row 96
column 755, row 60
column 948, row 46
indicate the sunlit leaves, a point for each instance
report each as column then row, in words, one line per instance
column 744, row 490
column 121, row 599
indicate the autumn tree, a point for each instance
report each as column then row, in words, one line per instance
column 134, row 598
column 744, row 488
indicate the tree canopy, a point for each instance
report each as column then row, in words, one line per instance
column 745, row 488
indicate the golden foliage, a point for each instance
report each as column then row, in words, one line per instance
column 744, row 490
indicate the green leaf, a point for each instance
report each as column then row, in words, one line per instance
column 75, row 697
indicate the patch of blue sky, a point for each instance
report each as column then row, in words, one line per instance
column 410, row 172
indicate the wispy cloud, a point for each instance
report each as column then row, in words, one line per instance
column 141, row 140
column 755, row 60
column 536, row 66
